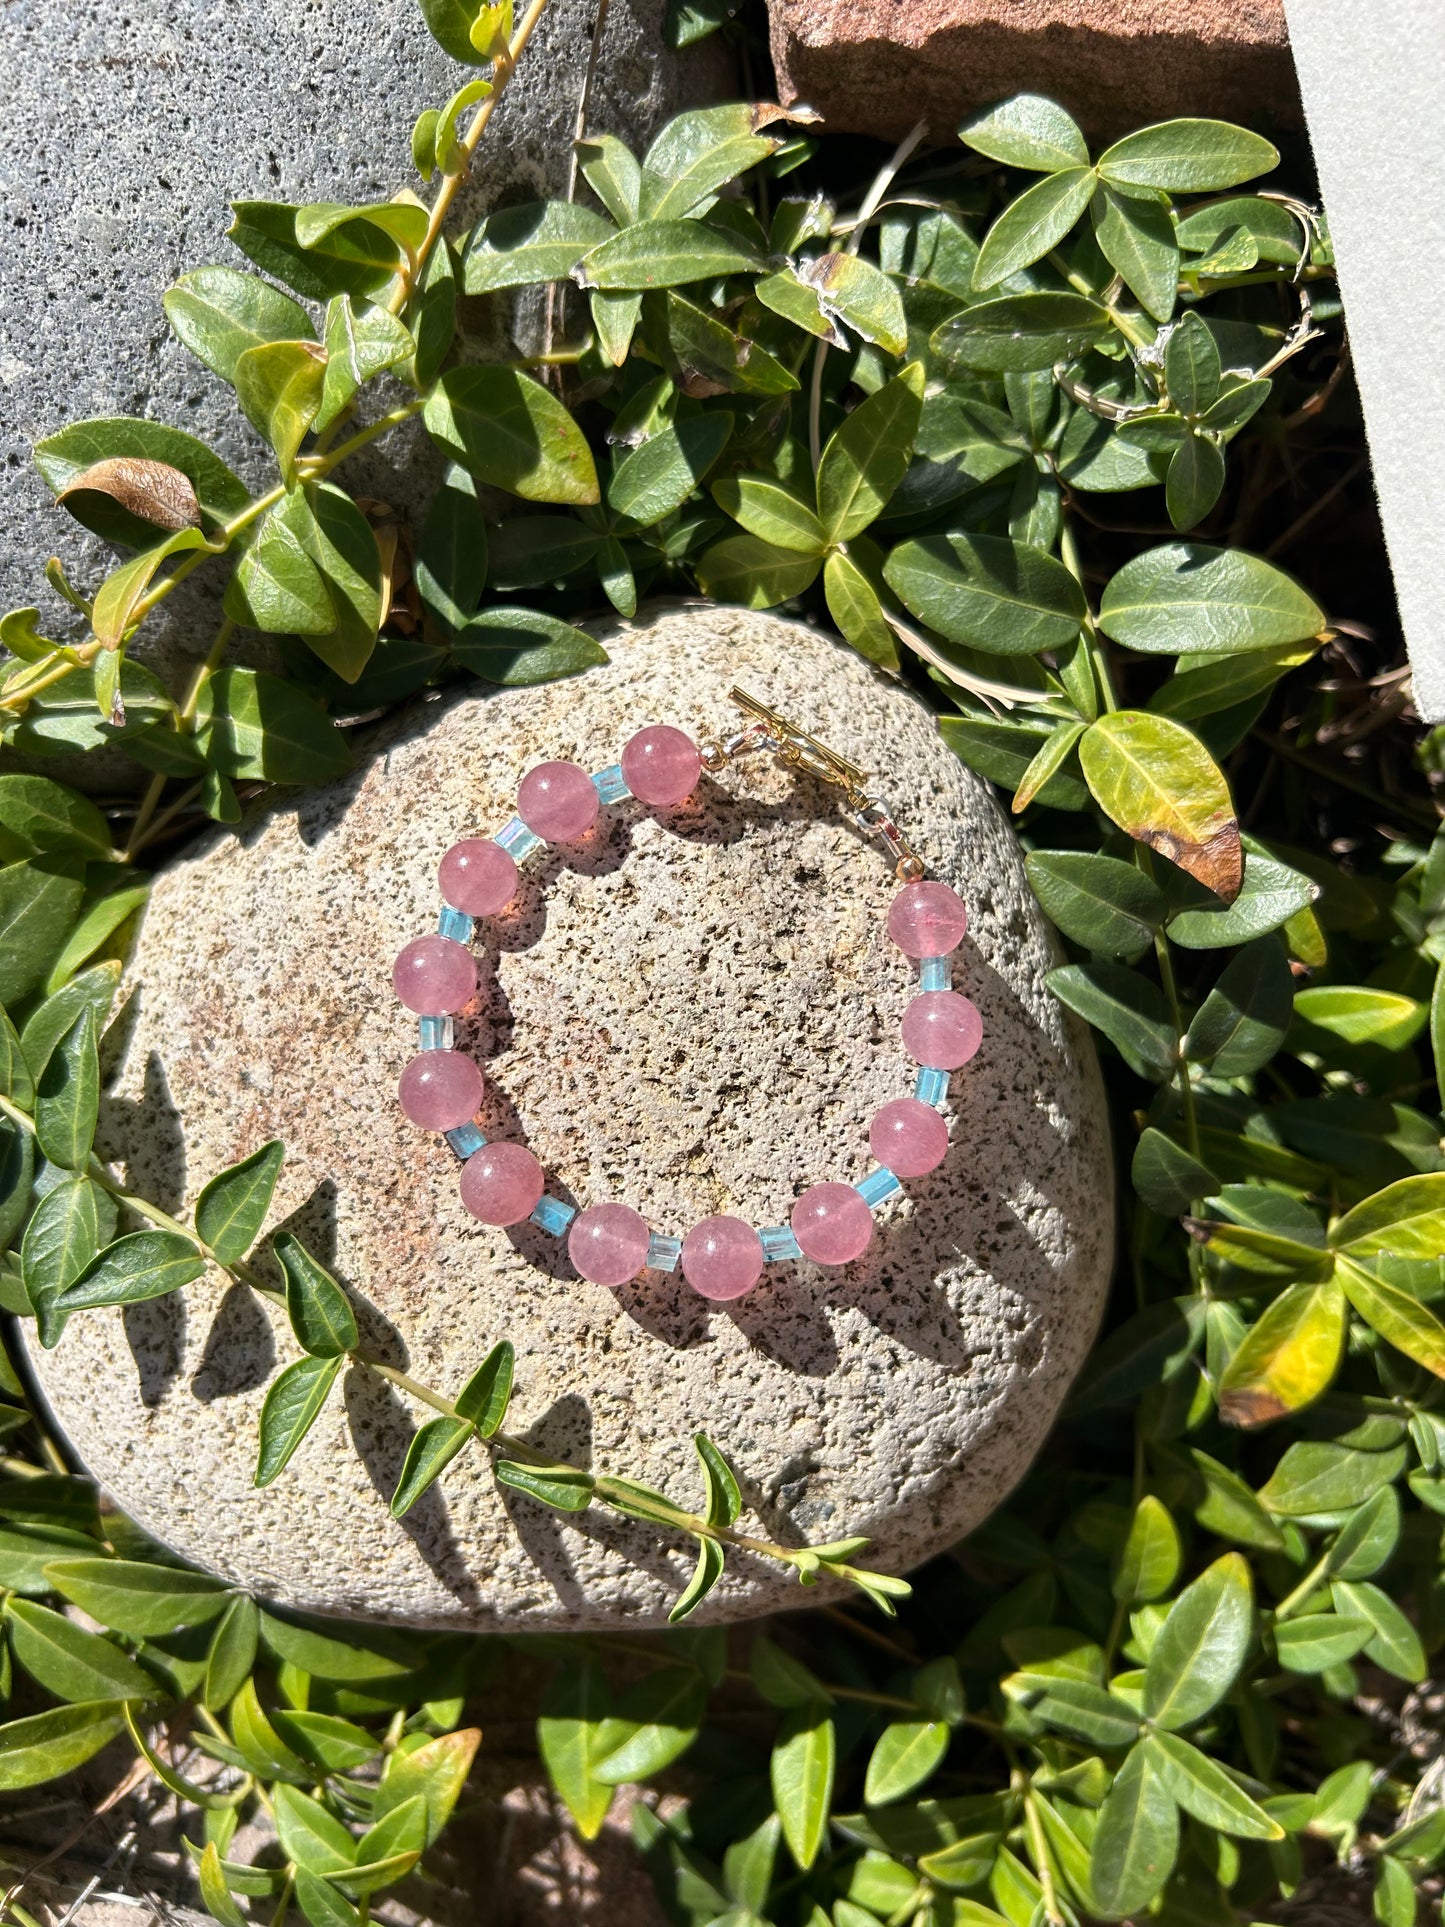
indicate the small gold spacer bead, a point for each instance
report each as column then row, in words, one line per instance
column 909, row 869
column 713, row 756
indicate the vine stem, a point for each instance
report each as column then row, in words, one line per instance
column 505, row 66
column 185, row 720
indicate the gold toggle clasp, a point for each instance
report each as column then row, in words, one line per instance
column 804, row 751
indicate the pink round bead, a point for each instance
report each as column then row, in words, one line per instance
column 909, row 1137
column 942, row 1029
column 832, row 1224
column 722, row 1258
column 478, row 876
column 435, row 975
column 927, row 920
column 661, row 765
column 557, row 801
column 440, row 1089
column 501, row 1183
column 608, row 1243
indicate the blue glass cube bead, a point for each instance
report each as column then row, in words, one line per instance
column 779, row 1244
column 455, row 924
column 931, row 1086
column 465, row 1139
column 553, row 1215
column 435, row 1033
column 662, row 1252
column 879, row 1185
column 516, row 839
column 935, row 973
column 610, row 784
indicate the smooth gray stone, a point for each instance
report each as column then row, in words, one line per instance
column 694, row 1011
column 126, row 133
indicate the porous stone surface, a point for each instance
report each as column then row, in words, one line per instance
column 127, row 132
column 880, row 66
column 694, row 1011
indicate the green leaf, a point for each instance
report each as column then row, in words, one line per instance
column 17, row 1170
column 562, row 1488
column 97, row 924
column 118, row 598
column 611, row 170
column 907, row 1753
column 143, row 1264
column 1405, row 1220
column 67, row 1096
column 537, row 551
column 64, row 457
column 1191, row 365
column 1019, row 332
column 1319, row 1641
column 507, row 430
column 1360, row 1015
column 1194, row 481
column 437, row 1771
column 1205, row 1790
column 782, row 1680
column 1129, row 1009
column 703, row 354
column 804, row 1760
column 47, row 1745
column 746, row 569
column 1029, row 131
column 449, row 23
column 361, row 343
column 517, row 646
column 1242, row 1022
column 1147, row 1564
column 1137, row 1838
column 1189, row 598
column 232, row 1207
column 140, row 1600
column 1368, row 1538
column 277, row 587
column 658, row 476
column 1033, row 224
column 771, row 512
column 795, row 301
column 987, row 592
column 292, row 1405
column 319, row 1310
column 1317, row 1476
column 47, row 816
column 364, row 1653
column 391, row 1847
column 1395, row 1645
column 615, row 318
column 218, row 313
column 70, row 1662
column 1188, row 156
column 1056, row 750
column 515, row 247
column 1156, row 780
column 724, row 1495
column 1288, row 1358
column 215, row 1894
column 1003, row 751
column 232, row 1653
column 697, row 153
column 1201, row 1646
column 1270, row 893
column 1167, row 1177
column 39, row 898
column 574, row 1734
column 63, row 1235
column 663, row 254
column 309, row 1835
column 253, row 725
column 658, row 1720
column 433, row 1447
column 279, row 388
column 452, row 554
column 706, row 1573
column 483, row 1400
column 1080, row 1708
column 1136, row 237
column 351, row 256
column 867, row 456
column 330, row 1741
column 404, row 222
column 855, row 602
column 1105, row 904
column 1399, row 1318
column 852, row 290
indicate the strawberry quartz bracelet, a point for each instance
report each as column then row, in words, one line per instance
column 502, row 1183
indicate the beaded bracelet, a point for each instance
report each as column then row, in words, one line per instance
column 502, row 1182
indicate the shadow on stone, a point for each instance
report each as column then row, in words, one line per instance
column 240, row 1349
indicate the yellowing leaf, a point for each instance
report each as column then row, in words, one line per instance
column 1157, row 781
column 1288, row 1358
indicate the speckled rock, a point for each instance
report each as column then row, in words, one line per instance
column 694, row 1012
column 127, row 132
